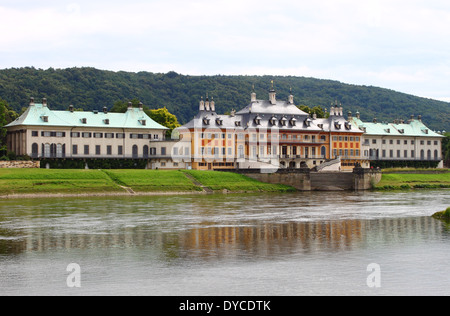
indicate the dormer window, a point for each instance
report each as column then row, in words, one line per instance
column 257, row 120
column 293, row 121
column 337, row 125
column 106, row 121
column 206, row 121
column 388, row 130
column 237, row 123
column 283, row 121
column 308, row 122
column 425, row 131
column 44, row 118
column 219, row 121
column 84, row 120
column 348, row 126
column 401, row 131
column 273, row 121
column 143, row 122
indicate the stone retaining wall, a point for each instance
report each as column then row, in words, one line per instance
column 20, row 164
column 305, row 180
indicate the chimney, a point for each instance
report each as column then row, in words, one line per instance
column 202, row 105
column 105, row 110
column 419, row 118
column 32, row 101
column 358, row 115
column 233, row 113
column 71, row 108
column 349, row 115
column 291, row 97
column 130, row 106
column 375, row 120
column 253, row 97
column 341, row 111
column 141, row 106
column 44, row 102
column 272, row 95
column 332, row 111
column 213, row 105
column 207, row 103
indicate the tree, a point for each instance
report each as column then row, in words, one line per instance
column 165, row 118
column 2, row 129
column 7, row 115
column 122, row 106
column 446, row 149
column 315, row 110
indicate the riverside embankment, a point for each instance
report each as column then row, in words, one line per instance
column 414, row 179
column 19, row 183
column 16, row 183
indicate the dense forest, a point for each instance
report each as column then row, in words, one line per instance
column 92, row 89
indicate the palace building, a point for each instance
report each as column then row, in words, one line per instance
column 269, row 133
column 44, row 133
column 265, row 134
column 400, row 143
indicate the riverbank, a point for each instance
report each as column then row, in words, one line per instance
column 444, row 215
column 20, row 183
column 419, row 179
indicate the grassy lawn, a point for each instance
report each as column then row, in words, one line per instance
column 41, row 181
column 153, row 180
column 401, row 170
column 16, row 181
column 219, row 181
column 405, row 181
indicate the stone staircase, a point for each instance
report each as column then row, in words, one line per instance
column 330, row 165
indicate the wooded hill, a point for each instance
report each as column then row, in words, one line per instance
column 92, row 89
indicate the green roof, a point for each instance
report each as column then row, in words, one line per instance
column 40, row 115
column 412, row 128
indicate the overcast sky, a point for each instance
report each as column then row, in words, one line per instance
column 400, row 45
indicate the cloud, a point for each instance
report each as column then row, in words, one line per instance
column 387, row 43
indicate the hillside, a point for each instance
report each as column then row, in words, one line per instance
column 90, row 89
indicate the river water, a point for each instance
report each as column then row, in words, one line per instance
column 312, row 243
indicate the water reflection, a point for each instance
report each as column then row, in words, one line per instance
column 253, row 240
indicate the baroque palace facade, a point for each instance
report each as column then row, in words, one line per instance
column 266, row 134
column 269, row 134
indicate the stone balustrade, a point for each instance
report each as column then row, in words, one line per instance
column 20, row 164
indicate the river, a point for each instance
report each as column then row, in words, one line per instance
column 312, row 243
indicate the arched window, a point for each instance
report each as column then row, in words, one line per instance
column 145, row 151
column 422, row 155
column 429, row 154
column 59, row 151
column 53, row 150
column 323, row 152
column 436, row 155
column 35, row 150
column 135, row 151
column 47, row 150
column 292, row 164
column 241, row 151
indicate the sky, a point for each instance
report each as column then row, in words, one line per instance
column 395, row 44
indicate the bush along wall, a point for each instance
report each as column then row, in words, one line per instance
column 94, row 163
column 404, row 164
